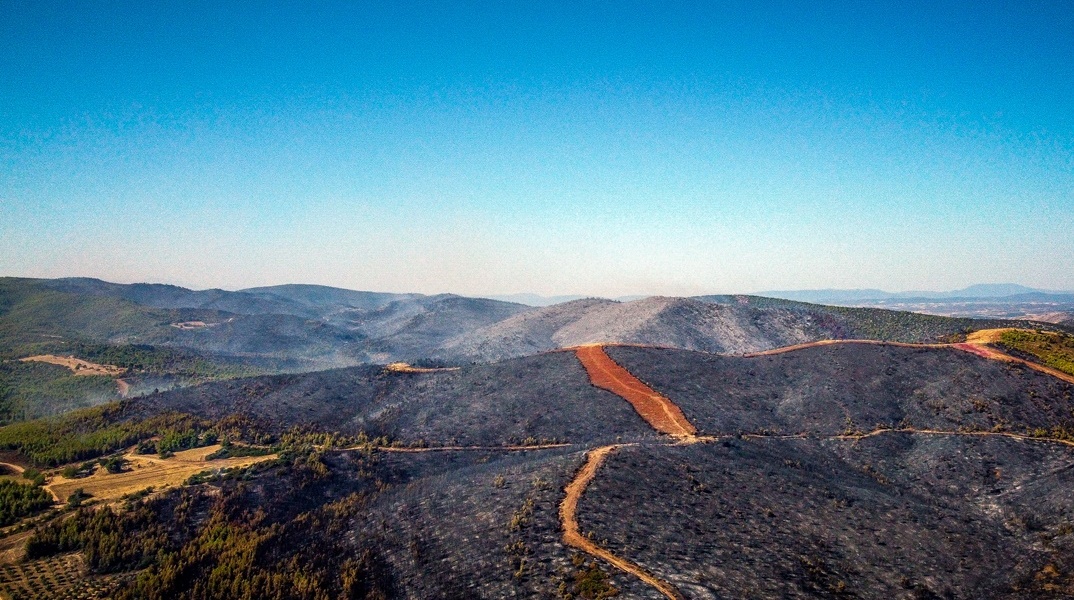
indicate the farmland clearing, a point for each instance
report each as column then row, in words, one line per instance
column 146, row 471
column 77, row 365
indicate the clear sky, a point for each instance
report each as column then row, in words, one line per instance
column 597, row 148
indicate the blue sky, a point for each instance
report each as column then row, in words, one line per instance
column 596, row 148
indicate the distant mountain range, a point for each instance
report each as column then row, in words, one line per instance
column 986, row 301
column 305, row 327
column 989, row 291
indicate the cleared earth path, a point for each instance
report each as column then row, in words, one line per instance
column 572, row 535
column 795, row 347
column 406, row 449
column 977, row 344
column 939, row 432
column 664, row 416
column 660, row 412
column 656, row 409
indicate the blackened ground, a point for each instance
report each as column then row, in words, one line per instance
column 778, row 518
column 828, row 389
column 486, row 529
column 545, row 397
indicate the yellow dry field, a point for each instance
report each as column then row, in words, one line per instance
column 148, row 471
column 77, row 365
column 986, row 336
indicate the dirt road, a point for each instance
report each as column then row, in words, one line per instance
column 977, row 343
column 796, row 347
column 405, row 449
column 656, row 409
column 572, row 536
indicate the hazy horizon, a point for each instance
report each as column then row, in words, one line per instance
column 555, row 148
column 568, row 295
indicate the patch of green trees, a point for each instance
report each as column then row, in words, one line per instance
column 18, row 500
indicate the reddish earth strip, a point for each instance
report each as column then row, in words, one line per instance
column 658, row 410
column 666, row 417
column 572, row 536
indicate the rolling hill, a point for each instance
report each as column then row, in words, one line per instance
column 298, row 327
column 717, row 324
column 197, row 336
column 842, row 471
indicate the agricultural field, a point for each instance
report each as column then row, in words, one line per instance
column 142, row 471
column 55, row 578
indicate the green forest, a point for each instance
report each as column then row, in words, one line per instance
column 18, row 500
column 90, row 433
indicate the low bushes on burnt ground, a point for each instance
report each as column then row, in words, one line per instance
column 479, row 525
column 839, row 389
column 778, row 518
column 545, row 397
column 340, row 524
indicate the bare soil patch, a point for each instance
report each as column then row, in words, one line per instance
column 190, row 325
column 402, row 367
column 77, row 365
column 149, row 471
column 658, row 410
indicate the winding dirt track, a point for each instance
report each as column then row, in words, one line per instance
column 572, row 536
column 656, row 409
column 664, row 416
column 660, row 412
column 977, row 344
column 786, row 349
column 406, row 450
column 1003, row 434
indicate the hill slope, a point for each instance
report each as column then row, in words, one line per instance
column 780, row 500
column 717, row 324
column 309, row 327
column 306, row 327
